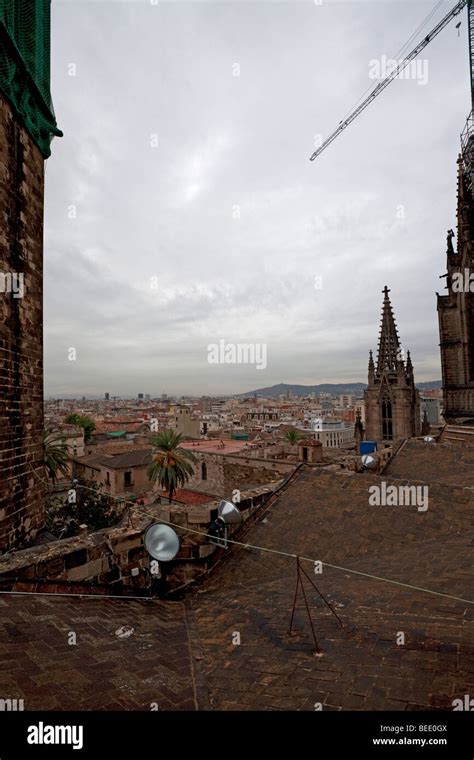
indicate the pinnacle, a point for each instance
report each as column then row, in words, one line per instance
column 388, row 356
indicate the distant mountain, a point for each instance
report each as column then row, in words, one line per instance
column 334, row 388
column 305, row 390
column 429, row 386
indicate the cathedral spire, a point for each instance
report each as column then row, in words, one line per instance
column 371, row 368
column 392, row 402
column 389, row 351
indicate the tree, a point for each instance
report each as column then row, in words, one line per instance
column 83, row 504
column 171, row 466
column 292, row 435
column 55, row 453
column 86, row 423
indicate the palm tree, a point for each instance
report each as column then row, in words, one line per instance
column 171, row 466
column 55, row 453
column 292, row 435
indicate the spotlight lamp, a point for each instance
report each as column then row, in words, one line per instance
column 368, row 462
column 161, row 542
column 227, row 514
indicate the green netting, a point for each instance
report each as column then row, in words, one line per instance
column 25, row 66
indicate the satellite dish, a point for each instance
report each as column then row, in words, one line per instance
column 161, row 542
column 429, row 439
column 229, row 513
column 368, row 461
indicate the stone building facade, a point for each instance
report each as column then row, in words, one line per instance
column 119, row 474
column 456, row 307
column 392, row 403
column 26, row 127
column 220, row 474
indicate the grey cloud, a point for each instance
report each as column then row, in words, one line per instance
column 226, row 142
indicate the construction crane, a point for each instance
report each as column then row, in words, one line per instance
column 403, row 64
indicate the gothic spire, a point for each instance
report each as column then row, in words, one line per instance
column 371, row 368
column 410, row 376
column 389, row 351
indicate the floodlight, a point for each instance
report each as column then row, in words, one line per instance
column 161, row 542
column 429, row 439
column 229, row 513
column 369, row 462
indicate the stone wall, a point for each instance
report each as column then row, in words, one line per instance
column 114, row 560
column 241, row 473
column 102, row 558
column 456, row 310
column 21, row 334
column 226, row 472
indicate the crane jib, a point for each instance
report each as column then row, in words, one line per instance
column 395, row 72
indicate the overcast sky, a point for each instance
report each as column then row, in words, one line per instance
column 221, row 230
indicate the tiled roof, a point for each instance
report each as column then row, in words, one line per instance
column 187, row 496
column 132, row 458
column 443, row 462
column 189, row 656
column 109, row 668
column 110, row 426
column 90, row 460
column 129, row 459
column 216, row 446
column 327, row 517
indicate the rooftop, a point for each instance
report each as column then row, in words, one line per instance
column 443, row 462
column 326, row 516
column 217, row 446
column 183, row 655
column 135, row 457
column 128, row 654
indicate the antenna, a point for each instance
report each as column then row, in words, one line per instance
column 300, row 572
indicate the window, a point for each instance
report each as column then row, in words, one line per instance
column 204, row 471
column 305, row 454
column 387, row 426
column 127, row 478
column 107, row 478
